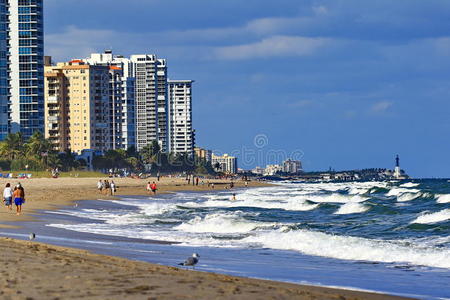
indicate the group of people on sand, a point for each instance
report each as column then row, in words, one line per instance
column 152, row 187
column 16, row 196
column 107, row 188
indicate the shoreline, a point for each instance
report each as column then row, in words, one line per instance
column 72, row 273
column 53, row 193
column 88, row 264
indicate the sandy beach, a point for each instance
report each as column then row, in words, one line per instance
column 51, row 193
column 32, row 270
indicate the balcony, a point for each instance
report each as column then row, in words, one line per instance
column 52, row 99
column 53, row 119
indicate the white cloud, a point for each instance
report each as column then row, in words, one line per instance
column 301, row 103
column 381, row 106
column 78, row 43
column 273, row 47
column 320, row 10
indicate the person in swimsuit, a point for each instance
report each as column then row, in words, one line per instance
column 19, row 198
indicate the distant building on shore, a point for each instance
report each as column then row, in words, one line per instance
column 203, row 154
column 272, row 170
column 292, row 166
column 397, row 173
column 77, row 106
column 258, row 171
column 225, row 163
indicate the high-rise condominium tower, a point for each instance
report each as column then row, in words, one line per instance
column 180, row 117
column 4, row 79
column 151, row 100
column 78, row 106
column 150, row 95
column 24, row 20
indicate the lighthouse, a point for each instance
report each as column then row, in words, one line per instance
column 397, row 171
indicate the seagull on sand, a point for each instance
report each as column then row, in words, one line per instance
column 191, row 261
column 32, row 236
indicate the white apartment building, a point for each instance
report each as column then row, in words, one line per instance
column 180, row 117
column 122, row 98
column 151, row 101
column 227, row 164
column 292, row 166
column 149, row 109
column 272, row 170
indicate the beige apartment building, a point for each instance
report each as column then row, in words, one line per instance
column 77, row 106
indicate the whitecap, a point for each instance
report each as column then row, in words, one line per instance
column 408, row 197
column 352, row 208
column 430, row 218
column 398, row 191
column 350, row 248
column 410, row 184
column 337, row 198
column 444, row 198
column 220, row 223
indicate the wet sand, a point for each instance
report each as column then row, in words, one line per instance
column 32, row 270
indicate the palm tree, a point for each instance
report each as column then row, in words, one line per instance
column 149, row 152
column 13, row 146
column 38, row 147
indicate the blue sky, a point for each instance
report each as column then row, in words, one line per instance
column 346, row 84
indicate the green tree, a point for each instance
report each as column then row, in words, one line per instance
column 149, row 153
column 13, row 146
column 38, row 147
column 68, row 160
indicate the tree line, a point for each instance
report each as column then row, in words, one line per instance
column 38, row 154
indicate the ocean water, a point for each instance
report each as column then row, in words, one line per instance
column 378, row 236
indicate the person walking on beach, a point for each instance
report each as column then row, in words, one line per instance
column 153, row 187
column 113, row 187
column 196, row 181
column 149, row 187
column 19, row 198
column 100, row 186
column 7, row 196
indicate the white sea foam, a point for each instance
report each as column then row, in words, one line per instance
column 338, row 198
column 286, row 202
column 430, row 218
column 445, row 198
column 408, row 196
column 410, row 184
column 220, row 223
column 399, row 191
column 352, row 208
column 350, row 248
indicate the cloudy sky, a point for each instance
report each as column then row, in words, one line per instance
column 343, row 84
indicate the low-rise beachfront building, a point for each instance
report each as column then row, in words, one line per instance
column 258, row 171
column 203, row 154
column 292, row 166
column 225, row 163
column 77, row 106
column 272, row 170
column 180, row 117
